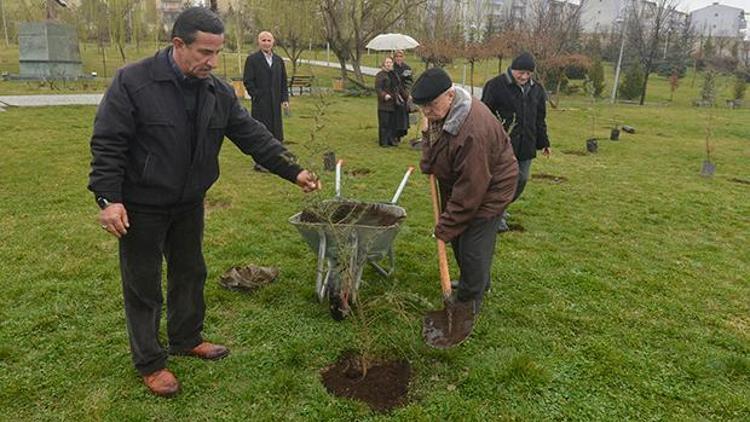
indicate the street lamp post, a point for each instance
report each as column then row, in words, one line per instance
column 619, row 63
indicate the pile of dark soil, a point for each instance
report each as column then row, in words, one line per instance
column 351, row 213
column 383, row 386
column 549, row 177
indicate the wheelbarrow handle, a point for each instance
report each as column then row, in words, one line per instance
column 445, row 275
column 339, row 163
column 401, row 186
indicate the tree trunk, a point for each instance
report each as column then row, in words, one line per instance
column 342, row 64
column 471, row 78
column 647, row 70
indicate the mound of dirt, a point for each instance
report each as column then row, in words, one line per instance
column 382, row 386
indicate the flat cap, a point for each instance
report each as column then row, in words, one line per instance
column 524, row 61
column 430, row 84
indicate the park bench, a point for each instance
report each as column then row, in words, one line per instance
column 301, row 82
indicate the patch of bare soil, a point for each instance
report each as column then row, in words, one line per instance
column 515, row 227
column 358, row 172
column 549, row 177
column 574, row 152
column 213, row 203
column 351, row 213
column 383, row 386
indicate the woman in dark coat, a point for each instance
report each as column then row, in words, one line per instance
column 391, row 103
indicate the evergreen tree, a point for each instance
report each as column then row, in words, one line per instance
column 596, row 76
column 632, row 85
column 708, row 90
column 738, row 90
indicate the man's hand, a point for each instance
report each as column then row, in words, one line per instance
column 425, row 124
column 285, row 104
column 114, row 219
column 387, row 97
column 546, row 151
column 308, row 181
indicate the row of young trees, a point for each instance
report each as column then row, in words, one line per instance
column 654, row 40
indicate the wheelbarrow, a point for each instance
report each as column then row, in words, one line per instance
column 353, row 234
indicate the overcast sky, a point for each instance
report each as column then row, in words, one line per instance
column 690, row 5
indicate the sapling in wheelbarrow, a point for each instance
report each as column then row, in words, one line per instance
column 346, row 235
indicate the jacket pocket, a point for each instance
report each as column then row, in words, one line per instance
column 146, row 172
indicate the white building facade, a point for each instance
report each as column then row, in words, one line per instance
column 719, row 20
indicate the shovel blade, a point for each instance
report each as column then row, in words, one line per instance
column 449, row 326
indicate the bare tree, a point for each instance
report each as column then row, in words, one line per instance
column 349, row 24
column 555, row 33
column 647, row 26
column 294, row 28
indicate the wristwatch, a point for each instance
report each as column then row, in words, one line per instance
column 102, row 202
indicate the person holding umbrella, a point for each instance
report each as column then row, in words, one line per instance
column 391, row 104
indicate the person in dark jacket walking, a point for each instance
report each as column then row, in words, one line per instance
column 467, row 150
column 391, row 103
column 155, row 147
column 520, row 104
column 406, row 79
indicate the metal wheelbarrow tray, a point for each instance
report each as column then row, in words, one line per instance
column 367, row 231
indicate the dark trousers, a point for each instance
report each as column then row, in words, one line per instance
column 524, row 172
column 474, row 250
column 386, row 134
column 177, row 235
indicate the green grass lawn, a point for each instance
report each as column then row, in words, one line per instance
column 625, row 298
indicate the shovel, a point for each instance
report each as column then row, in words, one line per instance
column 451, row 325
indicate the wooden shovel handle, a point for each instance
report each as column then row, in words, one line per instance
column 445, row 275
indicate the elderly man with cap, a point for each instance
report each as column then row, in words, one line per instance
column 520, row 103
column 467, row 150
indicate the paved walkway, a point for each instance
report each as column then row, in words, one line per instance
column 49, row 100
column 372, row 71
column 94, row 99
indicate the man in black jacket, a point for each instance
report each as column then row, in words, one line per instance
column 520, row 104
column 155, row 148
column 266, row 82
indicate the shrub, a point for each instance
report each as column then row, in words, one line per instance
column 632, row 84
column 575, row 72
column 738, row 90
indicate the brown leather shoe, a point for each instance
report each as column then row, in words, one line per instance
column 208, row 351
column 162, row 383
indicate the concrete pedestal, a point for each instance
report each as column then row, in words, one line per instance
column 49, row 50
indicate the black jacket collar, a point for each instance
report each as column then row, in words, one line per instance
column 161, row 70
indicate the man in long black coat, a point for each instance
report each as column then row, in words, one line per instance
column 266, row 82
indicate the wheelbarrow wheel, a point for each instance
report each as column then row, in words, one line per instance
column 338, row 306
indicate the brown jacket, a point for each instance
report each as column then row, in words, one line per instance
column 474, row 164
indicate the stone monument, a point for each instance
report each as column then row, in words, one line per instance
column 49, row 50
